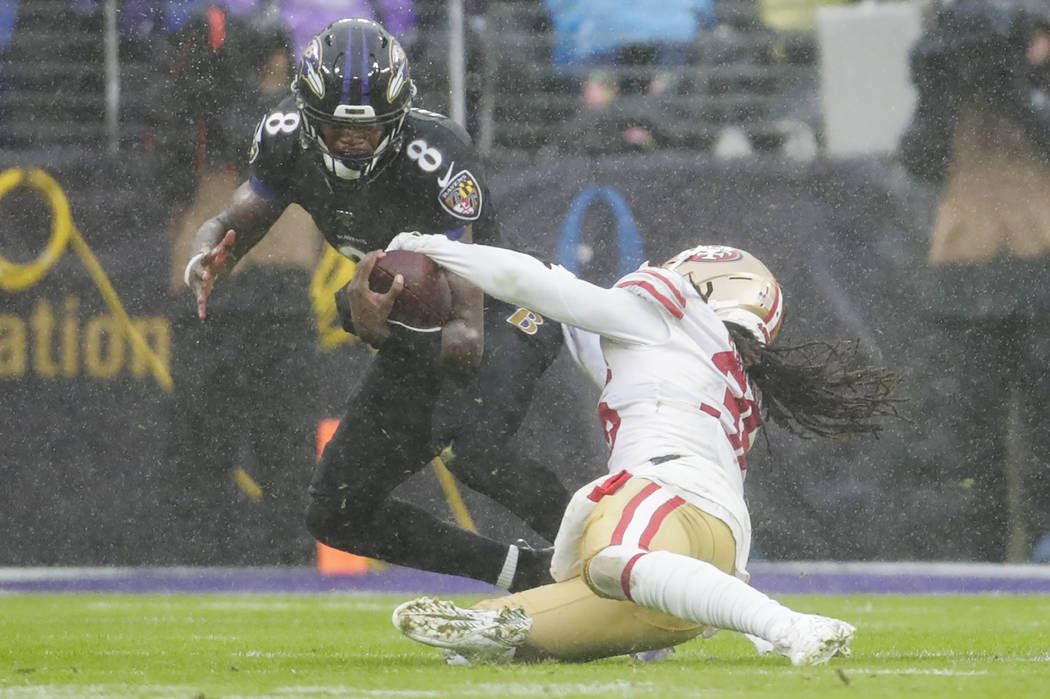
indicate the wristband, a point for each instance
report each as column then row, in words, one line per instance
column 189, row 266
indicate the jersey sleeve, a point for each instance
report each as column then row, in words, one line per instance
column 658, row 287
column 271, row 153
column 452, row 172
column 552, row 292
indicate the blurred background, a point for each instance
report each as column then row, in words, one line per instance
column 778, row 126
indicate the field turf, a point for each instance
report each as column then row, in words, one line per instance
column 343, row 645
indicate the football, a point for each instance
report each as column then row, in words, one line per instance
column 426, row 301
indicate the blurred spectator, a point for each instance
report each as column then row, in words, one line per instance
column 143, row 18
column 8, row 17
column 792, row 15
column 623, row 54
column 595, row 34
column 303, row 17
column 235, row 466
column 981, row 130
column 219, row 73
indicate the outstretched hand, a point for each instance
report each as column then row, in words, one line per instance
column 368, row 309
column 204, row 269
column 410, row 240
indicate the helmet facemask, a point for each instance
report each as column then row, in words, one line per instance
column 352, row 166
column 736, row 285
column 353, row 74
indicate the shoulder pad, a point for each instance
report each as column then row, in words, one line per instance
column 442, row 151
column 276, row 136
column 659, row 286
column 425, row 115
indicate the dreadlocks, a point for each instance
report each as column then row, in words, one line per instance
column 810, row 388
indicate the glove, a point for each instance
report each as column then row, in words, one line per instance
column 411, row 241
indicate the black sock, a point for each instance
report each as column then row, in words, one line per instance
column 534, row 569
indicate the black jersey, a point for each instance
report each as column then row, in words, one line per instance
column 433, row 184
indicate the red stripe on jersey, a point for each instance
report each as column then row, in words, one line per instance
column 674, row 310
column 628, row 512
column 658, row 518
column 713, row 412
column 609, row 485
column 625, row 576
column 671, row 286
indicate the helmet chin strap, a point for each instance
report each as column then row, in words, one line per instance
column 746, row 319
column 337, row 168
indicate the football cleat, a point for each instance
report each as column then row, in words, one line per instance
column 814, row 639
column 652, row 656
column 474, row 635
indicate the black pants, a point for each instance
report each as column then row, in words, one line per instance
column 402, row 412
column 984, row 365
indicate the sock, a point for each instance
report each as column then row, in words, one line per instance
column 697, row 591
column 510, row 567
column 534, row 568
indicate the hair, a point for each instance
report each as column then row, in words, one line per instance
column 811, row 389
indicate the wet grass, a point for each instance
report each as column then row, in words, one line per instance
column 108, row 645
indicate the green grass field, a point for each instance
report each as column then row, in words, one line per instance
column 111, row 645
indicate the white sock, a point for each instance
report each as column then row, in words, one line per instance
column 697, row 591
column 510, row 567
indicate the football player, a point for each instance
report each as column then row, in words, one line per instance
column 348, row 147
column 656, row 552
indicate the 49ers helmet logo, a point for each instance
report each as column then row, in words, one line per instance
column 714, row 253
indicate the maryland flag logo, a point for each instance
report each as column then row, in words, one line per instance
column 461, row 197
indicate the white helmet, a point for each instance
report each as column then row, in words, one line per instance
column 736, row 285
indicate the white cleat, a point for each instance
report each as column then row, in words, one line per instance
column 814, row 639
column 470, row 635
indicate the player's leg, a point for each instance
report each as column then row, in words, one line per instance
column 569, row 621
column 645, row 544
column 635, row 597
column 482, row 418
column 383, row 439
column 968, row 418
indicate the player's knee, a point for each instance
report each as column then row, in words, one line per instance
column 607, row 573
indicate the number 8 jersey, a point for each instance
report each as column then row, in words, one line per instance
column 434, row 184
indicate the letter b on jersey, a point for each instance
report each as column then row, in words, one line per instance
column 525, row 320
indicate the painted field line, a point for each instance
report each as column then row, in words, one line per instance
column 795, row 577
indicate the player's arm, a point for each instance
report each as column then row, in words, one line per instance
column 224, row 239
column 552, row 292
column 463, row 337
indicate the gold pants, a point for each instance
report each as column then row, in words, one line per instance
column 571, row 622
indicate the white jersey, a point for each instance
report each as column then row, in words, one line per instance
column 685, row 396
column 694, row 373
column 677, row 407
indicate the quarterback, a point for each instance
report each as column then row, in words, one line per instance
column 348, row 147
